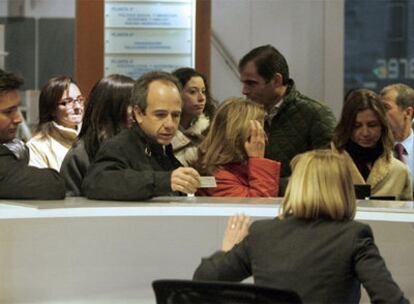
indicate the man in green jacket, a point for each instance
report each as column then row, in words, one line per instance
column 294, row 123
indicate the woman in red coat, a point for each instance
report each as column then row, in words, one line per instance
column 233, row 152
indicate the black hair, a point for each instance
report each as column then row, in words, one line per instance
column 268, row 61
column 184, row 75
column 9, row 82
column 106, row 112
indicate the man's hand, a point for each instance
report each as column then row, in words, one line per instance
column 255, row 145
column 185, row 180
column 236, row 231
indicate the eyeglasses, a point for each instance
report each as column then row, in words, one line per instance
column 70, row 102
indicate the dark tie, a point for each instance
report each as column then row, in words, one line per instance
column 399, row 152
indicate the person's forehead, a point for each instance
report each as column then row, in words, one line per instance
column 72, row 91
column 367, row 114
column 249, row 71
column 163, row 95
column 390, row 96
column 195, row 81
column 162, row 87
column 9, row 99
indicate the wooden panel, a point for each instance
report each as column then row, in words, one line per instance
column 89, row 37
column 203, row 37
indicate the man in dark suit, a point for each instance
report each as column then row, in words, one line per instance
column 138, row 163
column 17, row 179
column 398, row 100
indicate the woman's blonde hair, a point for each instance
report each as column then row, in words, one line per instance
column 320, row 185
column 229, row 131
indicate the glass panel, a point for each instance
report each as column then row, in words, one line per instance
column 36, row 42
column 379, row 43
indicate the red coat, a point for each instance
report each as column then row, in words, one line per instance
column 258, row 178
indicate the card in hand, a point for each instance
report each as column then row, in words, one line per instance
column 208, row 182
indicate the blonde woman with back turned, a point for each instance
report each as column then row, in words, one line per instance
column 314, row 247
column 233, row 152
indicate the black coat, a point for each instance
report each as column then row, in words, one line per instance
column 74, row 168
column 19, row 181
column 324, row 261
column 130, row 166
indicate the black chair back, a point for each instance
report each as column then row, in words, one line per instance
column 202, row 292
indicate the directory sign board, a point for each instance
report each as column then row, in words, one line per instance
column 145, row 35
column 136, row 65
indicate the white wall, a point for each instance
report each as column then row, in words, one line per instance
column 41, row 8
column 50, row 8
column 4, row 8
column 308, row 32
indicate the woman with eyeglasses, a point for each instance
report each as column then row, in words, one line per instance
column 60, row 116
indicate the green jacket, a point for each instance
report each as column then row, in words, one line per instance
column 301, row 124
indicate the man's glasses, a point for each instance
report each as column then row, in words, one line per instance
column 70, row 102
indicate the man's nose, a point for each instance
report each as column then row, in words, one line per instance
column 245, row 90
column 169, row 122
column 18, row 117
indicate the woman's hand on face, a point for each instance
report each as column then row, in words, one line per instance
column 255, row 145
column 236, row 231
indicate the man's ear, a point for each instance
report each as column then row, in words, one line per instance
column 278, row 80
column 410, row 111
column 137, row 114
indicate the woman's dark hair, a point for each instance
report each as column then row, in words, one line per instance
column 106, row 112
column 357, row 101
column 50, row 95
column 184, row 75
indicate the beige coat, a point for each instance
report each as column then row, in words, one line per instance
column 185, row 142
column 387, row 178
column 50, row 150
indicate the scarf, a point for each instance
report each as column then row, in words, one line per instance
column 19, row 149
column 363, row 157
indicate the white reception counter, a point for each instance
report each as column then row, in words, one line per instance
column 394, row 211
column 83, row 251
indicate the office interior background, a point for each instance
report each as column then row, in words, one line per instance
column 331, row 45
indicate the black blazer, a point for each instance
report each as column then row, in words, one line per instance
column 130, row 166
column 324, row 261
column 19, row 181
